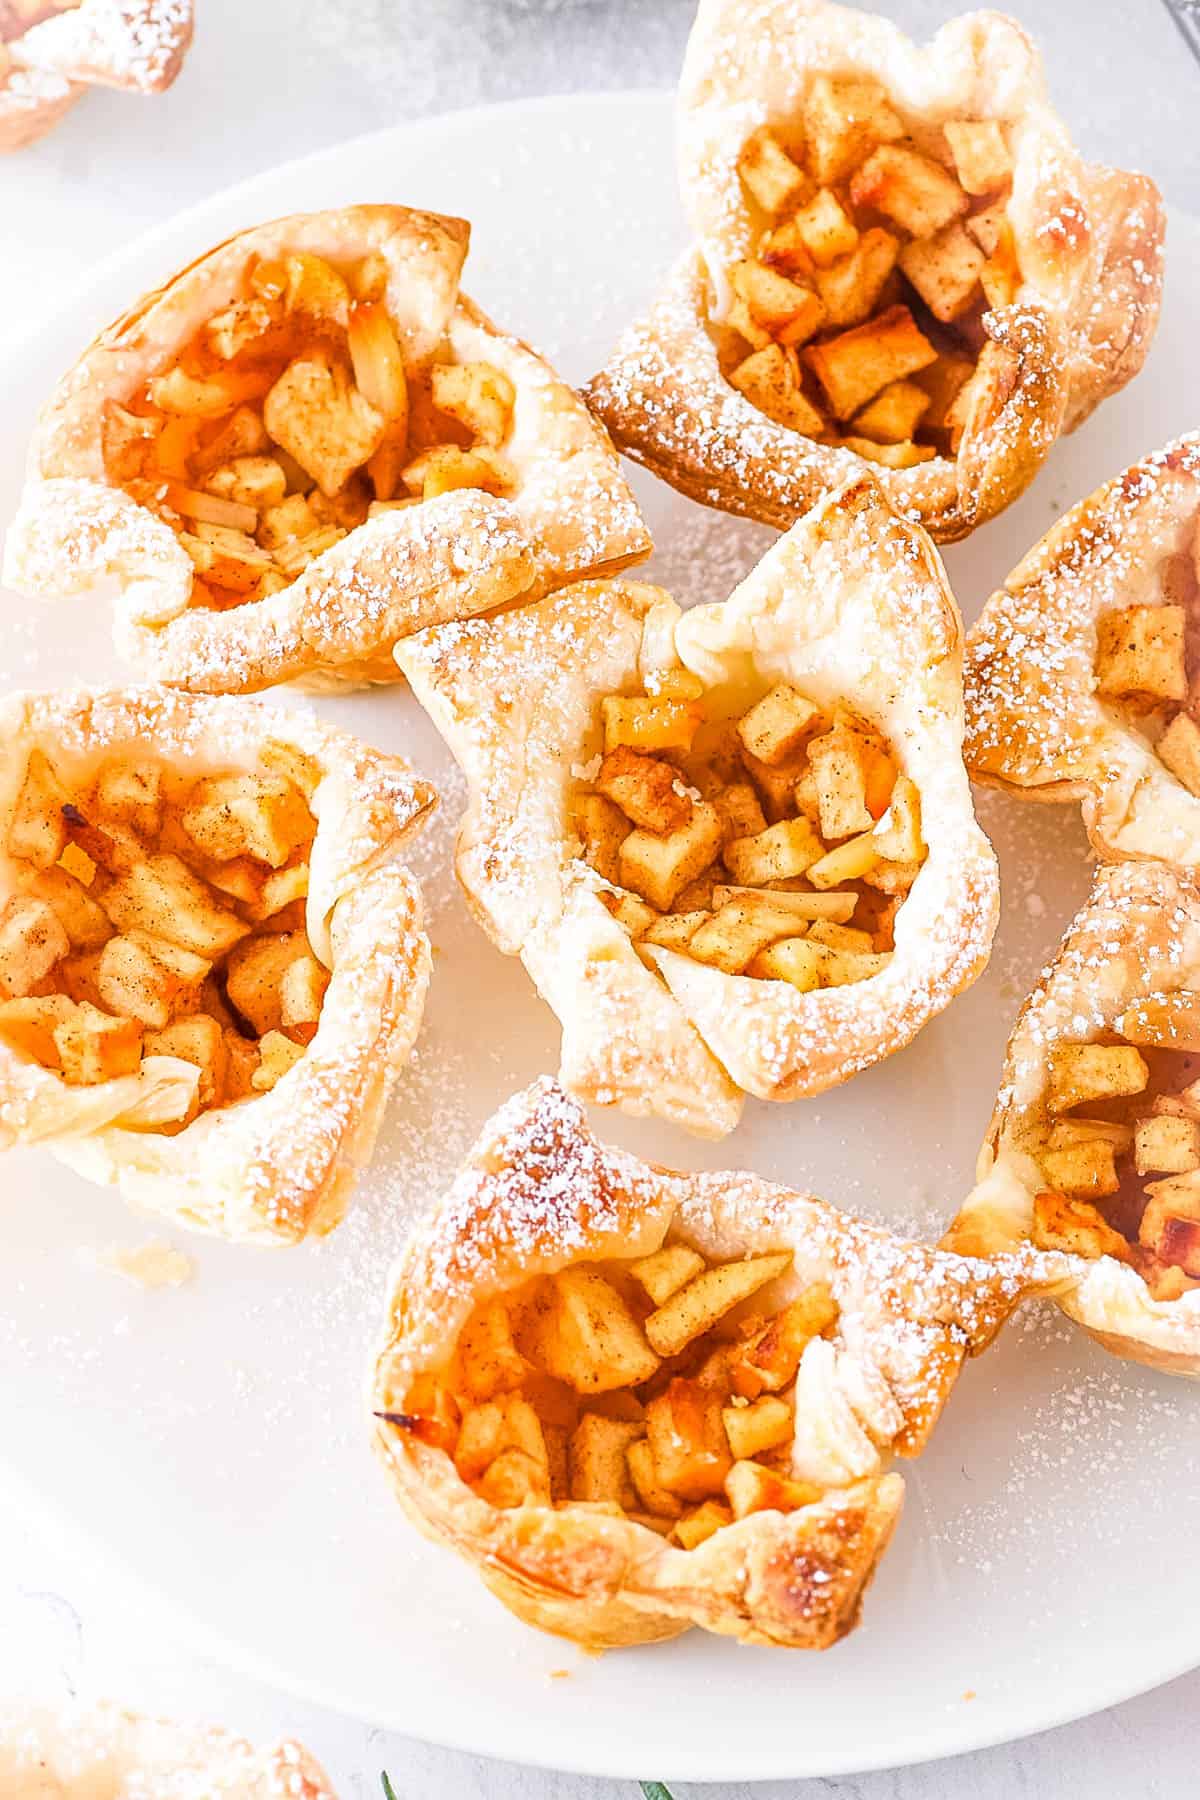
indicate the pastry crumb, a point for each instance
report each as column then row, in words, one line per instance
column 153, row 1265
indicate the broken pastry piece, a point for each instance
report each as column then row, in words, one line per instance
column 639, row 1401
column 1083, row 671
column 52, row 51
column 212, row 965
column 735, row 847
column 1094, row 1147
column 105, row 1753
column 900, row 258
column 306, row 446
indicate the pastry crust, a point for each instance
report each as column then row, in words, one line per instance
column 278, row 1165
column 1138, row 935
column 137, row 45
column 334, row 625
column 1088, row 238
column 1036, row 724
column 537, row 1194
column 852, row 604
column 83, row 1753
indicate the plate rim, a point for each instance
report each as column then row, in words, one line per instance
column 953, row 1736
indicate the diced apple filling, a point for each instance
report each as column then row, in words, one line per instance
column 776, row 842
column 1120, row 1144
column 659, row 1388
column 290, row 418
column 154, row 913
column 879, row 259
column 1141, row 668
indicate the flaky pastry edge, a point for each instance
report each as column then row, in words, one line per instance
column 851, row 604
column 1036, row 726
column 281, row 1165
column 1089, row 239
column 537, row 1193
column 334, row 626
column 1137, row 934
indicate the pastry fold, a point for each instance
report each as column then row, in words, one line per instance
column 1068, row 319
column 1039, row 723
column 137, row 45
column 538, row 1196
column 850, row 606
column 82, row 1752
column 326, row 616
column 266, row 1163
column 1125, row 980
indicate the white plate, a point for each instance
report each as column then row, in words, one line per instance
column 210, row 1442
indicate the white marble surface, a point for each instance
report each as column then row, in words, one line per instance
column 268, row 80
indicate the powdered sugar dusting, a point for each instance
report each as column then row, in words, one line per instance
column 134, row 44
column 1033, row 717
column 81, row 1753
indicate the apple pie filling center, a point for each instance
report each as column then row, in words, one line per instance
column 777, row 840
column 879, row 246
column 1147, row 666
column 659, row 1388
column 290, row 418
column 1119, row 1145
column 159, row 913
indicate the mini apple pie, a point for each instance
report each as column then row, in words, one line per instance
column 1083, row 671
column 212, row 965
column 900, row 258
column 1094, row 1146
column 640, row 1401
column 105, row 1753
column 306, row 446
column 734, row 847
column 52, row 51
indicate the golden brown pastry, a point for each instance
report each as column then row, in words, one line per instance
column 639, row 1401
column 305, row 446
column 52, row 51
column 1094, row 1146
column 900, row 257
column 734, row 847
column 105, row 1753
column 212, row 965
column 1082, row 670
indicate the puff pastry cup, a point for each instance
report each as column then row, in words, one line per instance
column 212, row 965
column 52, row 51
column 106, row 1753
column 1082, row 670
column 305, row 446
column 639, row 1401
column 1094, row 1147
column 761, row 874
column 899, row 257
